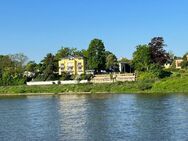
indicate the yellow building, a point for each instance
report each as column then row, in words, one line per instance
column 72, row 65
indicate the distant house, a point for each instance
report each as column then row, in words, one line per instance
column 125, row 67
column 178, row 63
column 72, row 65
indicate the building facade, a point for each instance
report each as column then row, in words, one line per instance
column 178, row 63
column 72, row 65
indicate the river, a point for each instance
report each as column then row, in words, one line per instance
column 102, row 117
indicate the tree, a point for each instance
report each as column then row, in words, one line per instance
column 5, row 62
column 5, row 65
column 31, row 66
column 146, row 58
column 84, row 54
column 63, row 52
column 19, row 58
column 96, row 53
column 184, row 64
column 111, row 63
column 49, row 67
column 141, row 58
column 10, row 72
column 158, row 54
column 128, row 61
column 66, row 51
column 19, row 61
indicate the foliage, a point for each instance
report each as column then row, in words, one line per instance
column 152, row 57
column 65, row 52
column 184, row 64
column 96, row 53
column 111, row 63
column 126, row 60
column 146, row 80
column 65, row 76
column 158, row 54
column 84, row 54
column 86, row 77
column 49, row 67
column 146, row 76
column 11, row 69
column 145, row 84
column 31, row 66
column 141, row 58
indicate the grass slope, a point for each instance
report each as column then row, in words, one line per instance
column 170, row 85
column 174, row 84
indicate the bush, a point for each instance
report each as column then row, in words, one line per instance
column 39, row 77
column 145, row 85
column 65, row 76
column 78, row 77
column 88, row 77
column 146, row 80
column 146, row 76
column 164, row 74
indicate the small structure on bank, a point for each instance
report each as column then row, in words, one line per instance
column 178, row 63
column 125, row 67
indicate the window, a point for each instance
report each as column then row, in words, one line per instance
column 79, row 66
column 69, row 64
column 69, row 68
column 62, row 67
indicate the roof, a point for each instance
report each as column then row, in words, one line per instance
column 73, row 57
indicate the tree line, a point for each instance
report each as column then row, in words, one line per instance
column 151, row 57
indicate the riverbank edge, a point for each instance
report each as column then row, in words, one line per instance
column 58, row 94
column 89, row 93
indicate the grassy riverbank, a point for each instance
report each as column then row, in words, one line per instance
column 79, row 88
column 178, row 84
column 174, row 84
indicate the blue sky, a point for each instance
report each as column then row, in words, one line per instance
column 37, row 27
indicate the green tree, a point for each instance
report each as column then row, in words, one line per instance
column 184, row 64
column 11, row 71
column 66, row 51
column 6, row 63
column 124, row 59
column 111, row 63
column 141, row 58
column 63, row 52
column 84, row 54
column 49, row 67
column 96, row 53
column 31, row 66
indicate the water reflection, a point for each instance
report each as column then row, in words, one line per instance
column 94, row 117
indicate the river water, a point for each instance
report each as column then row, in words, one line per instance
column 102, row 117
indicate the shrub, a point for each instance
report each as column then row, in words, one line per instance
column 146, row 76
column 145, row 85
column 86, row 77
column 65, row 76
